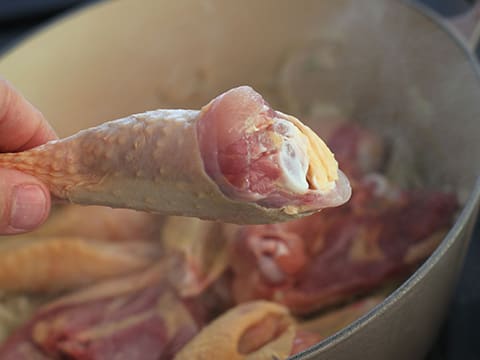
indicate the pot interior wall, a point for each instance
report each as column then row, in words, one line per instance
column 383, row 64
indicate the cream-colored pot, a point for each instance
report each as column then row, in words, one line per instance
column 385, row 63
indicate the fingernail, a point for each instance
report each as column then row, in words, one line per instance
column 28, row 207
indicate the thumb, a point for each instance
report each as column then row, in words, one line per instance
column 24, row 202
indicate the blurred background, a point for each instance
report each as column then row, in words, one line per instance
column 459, row 338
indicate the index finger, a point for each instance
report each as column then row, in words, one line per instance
column 22, row 126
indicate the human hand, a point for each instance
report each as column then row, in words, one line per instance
column 24, row 200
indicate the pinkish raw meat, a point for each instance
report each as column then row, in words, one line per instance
column 315, row 261
column 195, row 252
column 236, row 160
column 137, row 317
column 357, row 150
column 258, row 154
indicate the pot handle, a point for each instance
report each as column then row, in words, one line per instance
column 467, row 26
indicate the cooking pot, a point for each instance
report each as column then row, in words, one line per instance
column 387, row 64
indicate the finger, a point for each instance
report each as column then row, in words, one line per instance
column 24, row 202
column 22, row 126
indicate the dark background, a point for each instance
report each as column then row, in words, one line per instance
column 460, row 337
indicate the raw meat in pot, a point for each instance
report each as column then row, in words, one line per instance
column 312, row 262
column 136, row 317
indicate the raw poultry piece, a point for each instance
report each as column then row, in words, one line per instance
column 357, row 150
column 100, row 223
column 236, row 160
column 195, row 252
column 138, row 317
column 306, row 264
column 59, row 263
column 256, row 330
